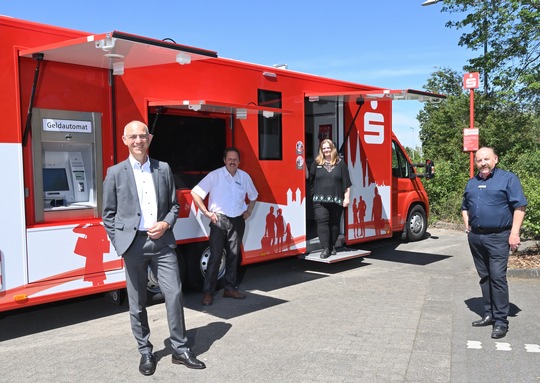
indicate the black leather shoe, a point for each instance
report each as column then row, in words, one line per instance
column 325, row 253
column 499, row 331
column 485, row 321
column 333, row 252
column 147, row 366
column 188, row 359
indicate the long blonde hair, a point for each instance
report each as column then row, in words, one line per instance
column 334, row 157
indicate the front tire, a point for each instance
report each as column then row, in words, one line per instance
column 416, row 224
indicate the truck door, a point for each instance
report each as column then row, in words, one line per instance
column 322, row 117
column 362, row 132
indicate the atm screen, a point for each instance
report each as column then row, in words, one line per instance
column 55, row 180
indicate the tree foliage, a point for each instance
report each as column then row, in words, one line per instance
column 507, row 35
column 505, row 125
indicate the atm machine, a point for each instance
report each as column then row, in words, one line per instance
column 67, row 164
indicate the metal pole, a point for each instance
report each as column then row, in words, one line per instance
column 471, row 123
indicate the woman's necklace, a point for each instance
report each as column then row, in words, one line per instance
column 328, row 166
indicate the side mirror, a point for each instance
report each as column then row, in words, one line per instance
column 428, row 173
column 430, row 169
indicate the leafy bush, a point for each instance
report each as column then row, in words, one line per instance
column 445, row 192
column 531, row 224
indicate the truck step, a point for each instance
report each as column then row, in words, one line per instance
column 343, row 254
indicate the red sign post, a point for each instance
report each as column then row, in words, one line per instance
column 471, row 81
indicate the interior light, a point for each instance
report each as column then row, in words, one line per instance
column 195, row 107
column 183, row 58
column 313, row 98
column 268, row 114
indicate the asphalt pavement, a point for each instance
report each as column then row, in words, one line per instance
column 403, row 314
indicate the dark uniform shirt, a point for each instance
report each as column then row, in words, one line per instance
column 491, row 202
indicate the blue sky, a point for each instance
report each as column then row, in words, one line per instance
column 394, row 44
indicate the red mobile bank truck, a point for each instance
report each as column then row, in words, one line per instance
column 66, row 96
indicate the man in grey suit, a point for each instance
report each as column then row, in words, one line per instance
column 139, row 210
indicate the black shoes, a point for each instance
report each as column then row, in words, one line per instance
column 328, row 251
column 499, row 331
column 188, row 359
column 147, row 366
column 485, row 321
column 325, row 253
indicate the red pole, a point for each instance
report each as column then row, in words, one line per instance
column 471, row 123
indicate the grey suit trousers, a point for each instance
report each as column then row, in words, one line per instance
column 163, row 262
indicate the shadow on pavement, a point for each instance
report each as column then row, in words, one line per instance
column 476, row 305
column 199, row 344
column 264, row 277
column 36, row 319
column 409, row 257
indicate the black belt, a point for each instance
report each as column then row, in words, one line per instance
column 490, row 231
column 142, row 233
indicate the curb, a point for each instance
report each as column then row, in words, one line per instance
column 523, row 273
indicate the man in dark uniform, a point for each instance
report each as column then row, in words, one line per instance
column 493, row 209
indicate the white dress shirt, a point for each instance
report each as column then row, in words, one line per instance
column 227, row 193
column 146, row 193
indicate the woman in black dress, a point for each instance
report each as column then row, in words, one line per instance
column 330, row 186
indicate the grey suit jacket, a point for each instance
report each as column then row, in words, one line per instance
column 121, row 210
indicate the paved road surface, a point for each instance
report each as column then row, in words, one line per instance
column 402, row 315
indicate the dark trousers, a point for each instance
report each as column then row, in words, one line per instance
column 226, row 235
column 490, row 255
column 145, row 252
column 328, row 219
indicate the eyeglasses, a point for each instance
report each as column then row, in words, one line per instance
column 142, row 137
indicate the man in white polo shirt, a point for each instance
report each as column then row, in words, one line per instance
column 227, row 188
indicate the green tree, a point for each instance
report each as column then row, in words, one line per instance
column 510, row 128
column 507, row 34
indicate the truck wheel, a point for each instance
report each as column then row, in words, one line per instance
column 153, row 285
column 196, row 269
column 416, row 225
column 116, row 297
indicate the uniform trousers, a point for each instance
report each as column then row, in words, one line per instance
column 490, row 255
column 226, row 234
column 328, row 219
column 162, row 260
